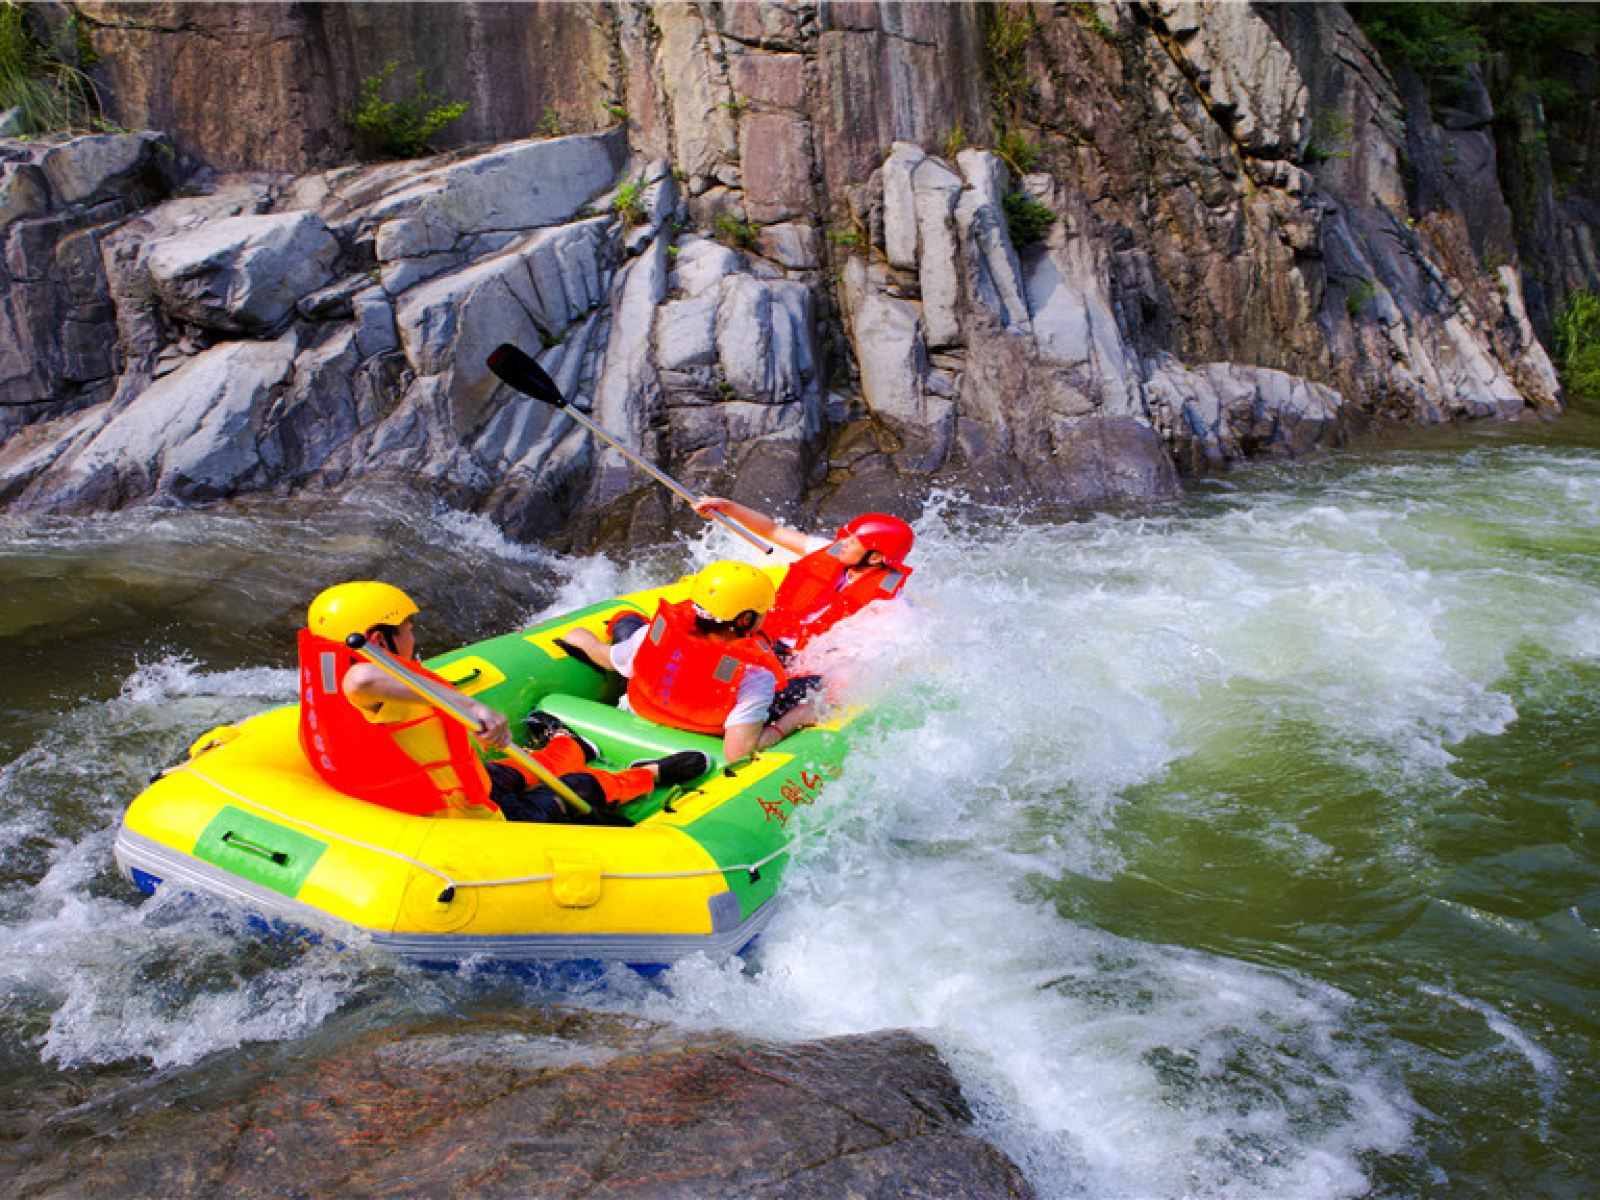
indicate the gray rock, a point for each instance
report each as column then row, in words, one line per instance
column 24, row 192
column 764, row 341
column 191, row 435
column 705, row 134
column 893, row 357
column 375, row 330
column 1112, row 460
column 521, row 185
column 899, row 205
column 414, row 237
column 992, row 260
column 701, row 264
column 1247, row 75
column 686, row 332
column 1221, row 412
column 628, row 389
column 792, row 244
column 937, row 189
column 85, row 166
column 333, row 303
column 570, row 268
column 242, row 273
column 1075, row 326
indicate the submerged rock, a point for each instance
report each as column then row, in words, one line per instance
column 537, row 1105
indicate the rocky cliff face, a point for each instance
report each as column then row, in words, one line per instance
column 791, row 272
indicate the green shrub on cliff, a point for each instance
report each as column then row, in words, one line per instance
column 400, row 128
column 51, row 93
column 1027, row 219
column 1578, row 344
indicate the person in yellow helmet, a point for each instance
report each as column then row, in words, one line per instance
column 369, row 735
column 698, row 664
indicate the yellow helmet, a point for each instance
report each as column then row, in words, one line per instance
column 348, row 608
column 725, row 589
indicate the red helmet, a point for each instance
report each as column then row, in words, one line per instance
column 889, row 536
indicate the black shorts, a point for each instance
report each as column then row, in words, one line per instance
column 793, row 694
column 521, row 801
column 625, row 626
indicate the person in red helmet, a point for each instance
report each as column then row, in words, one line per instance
column 832, row 580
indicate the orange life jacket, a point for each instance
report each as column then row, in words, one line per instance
column 362, row 758
column 687, row 680
column 814, row 596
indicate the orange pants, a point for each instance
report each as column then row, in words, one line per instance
column 563, row 756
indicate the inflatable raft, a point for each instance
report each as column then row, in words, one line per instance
column 248, row 819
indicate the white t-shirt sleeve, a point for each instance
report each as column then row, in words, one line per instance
column 756, row 692
column 623, row 653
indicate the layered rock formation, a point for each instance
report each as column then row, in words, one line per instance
column 785, row 274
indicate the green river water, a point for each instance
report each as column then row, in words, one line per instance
column 1245, row 848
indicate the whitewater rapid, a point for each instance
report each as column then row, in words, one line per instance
column 1086, row 739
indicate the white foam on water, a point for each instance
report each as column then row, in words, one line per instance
column 178, row 677
column 1038, row 674
column 169, row 980
column 173, row 978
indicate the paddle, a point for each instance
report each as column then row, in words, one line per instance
column 520, row 371
column 448, row 701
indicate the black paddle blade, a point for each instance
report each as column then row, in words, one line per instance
column 519, row 370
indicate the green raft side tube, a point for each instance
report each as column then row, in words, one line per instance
column 740, row 817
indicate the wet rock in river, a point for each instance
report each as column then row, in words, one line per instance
column 525, row 1106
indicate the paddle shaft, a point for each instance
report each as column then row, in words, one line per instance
column 448, row 701
column 662, row 477
column 516, row 367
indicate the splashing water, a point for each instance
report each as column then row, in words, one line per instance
column 1245, row 849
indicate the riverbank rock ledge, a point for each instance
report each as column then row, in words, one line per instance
column 781, row 274
column 516, row 1107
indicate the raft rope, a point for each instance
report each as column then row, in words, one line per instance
column 450, row 885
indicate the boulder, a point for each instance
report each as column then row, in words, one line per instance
column 191, row 435
column 242, row 274
column 764, row 340
column 992, row 263
column 83, row 167
column 893, row 357
column 521, row 185
column 541, row 1105
column 1105, row 460
column 936, row 190
column 899, row 205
